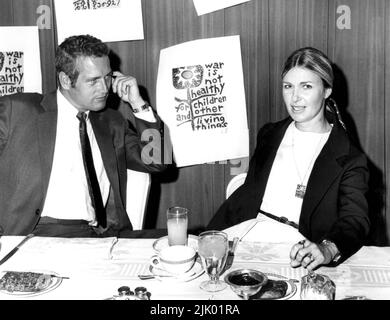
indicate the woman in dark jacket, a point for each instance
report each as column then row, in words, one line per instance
column 306, row 169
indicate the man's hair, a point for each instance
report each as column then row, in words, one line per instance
column 74, row 47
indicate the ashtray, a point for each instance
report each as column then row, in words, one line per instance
column 246, row 282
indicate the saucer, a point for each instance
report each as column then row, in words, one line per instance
column 290, row 291
column 191, row 274
column 162, row 242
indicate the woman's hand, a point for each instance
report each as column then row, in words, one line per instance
column 309, row 255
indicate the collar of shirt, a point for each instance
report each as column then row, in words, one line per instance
column 68, row 111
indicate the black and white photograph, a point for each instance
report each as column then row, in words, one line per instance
column 194, row 157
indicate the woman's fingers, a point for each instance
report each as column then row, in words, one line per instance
column 306, row 254
column 294, row 250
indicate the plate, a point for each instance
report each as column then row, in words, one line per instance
column 54, row 283
column 291, row 288
column 191, row 274
column 161, row 243
column 356, row 298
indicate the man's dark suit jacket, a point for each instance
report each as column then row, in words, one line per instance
column 334, row 207
column 27, row 139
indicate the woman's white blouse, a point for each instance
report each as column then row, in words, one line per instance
column 293, row 163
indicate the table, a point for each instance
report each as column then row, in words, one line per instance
column 98, row 267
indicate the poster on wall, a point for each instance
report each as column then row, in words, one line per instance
column 201, row 98
column 108, row 20
column 207, row 6
column 20, row 62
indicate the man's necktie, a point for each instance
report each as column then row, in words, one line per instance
column 93, row 184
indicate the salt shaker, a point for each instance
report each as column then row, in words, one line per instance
column 142, row 293
column 124, row 293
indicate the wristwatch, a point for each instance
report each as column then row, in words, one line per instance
column 144, row 107
column 328, row 243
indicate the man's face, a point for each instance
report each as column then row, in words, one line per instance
column 91, row 89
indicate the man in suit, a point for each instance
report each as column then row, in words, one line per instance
column 45, row 186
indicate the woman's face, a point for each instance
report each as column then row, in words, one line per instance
column 304, row 95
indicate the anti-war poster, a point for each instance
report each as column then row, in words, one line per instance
column 201, row 98
column 108, row 20
column 20, row 64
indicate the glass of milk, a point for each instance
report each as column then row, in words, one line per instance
column 177, row 224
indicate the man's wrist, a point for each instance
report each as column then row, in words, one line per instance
column 141, row 108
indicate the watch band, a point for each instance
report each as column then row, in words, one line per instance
column 142, row 108
column 327, row 243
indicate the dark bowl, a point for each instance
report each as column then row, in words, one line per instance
column 246, row 282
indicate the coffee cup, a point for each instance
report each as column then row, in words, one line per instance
column 174, row 259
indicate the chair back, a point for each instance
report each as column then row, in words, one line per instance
column 236, row 182
column 138, row 187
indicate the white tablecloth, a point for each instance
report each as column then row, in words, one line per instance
column 98, row 267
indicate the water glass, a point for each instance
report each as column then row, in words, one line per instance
column 177, row 224
column 213, row 248
column 317, row 286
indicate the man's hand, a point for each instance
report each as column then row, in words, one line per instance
column 126, row 88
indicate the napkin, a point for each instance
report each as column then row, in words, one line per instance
column 57, row 253
column 264, row 229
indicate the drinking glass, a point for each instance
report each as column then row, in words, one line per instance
column 315, row 286
column 177, row 224
column 213, row 247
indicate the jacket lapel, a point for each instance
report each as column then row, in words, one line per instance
column 107, row 150
column 325, row 170
column 47, row 130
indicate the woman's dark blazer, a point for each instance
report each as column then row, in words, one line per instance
column 334, row 207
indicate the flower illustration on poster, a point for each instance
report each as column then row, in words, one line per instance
column 203, row 103
column 186, row 78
